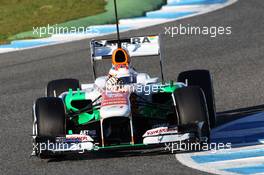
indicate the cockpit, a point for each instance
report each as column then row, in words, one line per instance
column 127, row 80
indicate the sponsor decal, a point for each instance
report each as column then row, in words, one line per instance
column 140, row 40
column 77, row 138
column 114, row 98
column 160, row 131
column 132, row 41
column 136, row 46
column 91, row 133
column 120, row 66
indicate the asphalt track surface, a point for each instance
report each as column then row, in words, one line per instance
column 236, row 62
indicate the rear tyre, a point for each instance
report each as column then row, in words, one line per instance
column 191, row 109
column 202, row 78
column 57, row 87
column 49, row 114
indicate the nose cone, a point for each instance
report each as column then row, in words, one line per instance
column 120, row 57
column 115, row 104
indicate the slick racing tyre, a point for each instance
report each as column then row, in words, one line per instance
column 57, row 87
column 49, row 121
column 50, row 117
column 202, row 78
column 191, row 109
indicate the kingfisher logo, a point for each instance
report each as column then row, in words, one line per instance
column 77, row 138
column 160, row 131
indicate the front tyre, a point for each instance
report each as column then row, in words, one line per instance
column 49, row 122
column 191, row 110
column 202, row 78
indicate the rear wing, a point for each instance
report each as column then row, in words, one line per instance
column 135, row 46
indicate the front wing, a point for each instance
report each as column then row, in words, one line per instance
column 79, row 143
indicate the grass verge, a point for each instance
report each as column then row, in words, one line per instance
column 126, row 9
column 22, row 15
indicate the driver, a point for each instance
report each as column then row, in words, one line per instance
column 120, row 73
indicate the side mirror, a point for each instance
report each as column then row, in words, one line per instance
column 143, row 78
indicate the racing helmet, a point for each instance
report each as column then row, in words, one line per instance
column 120, row 56
column 121, row 70
column 120, row 63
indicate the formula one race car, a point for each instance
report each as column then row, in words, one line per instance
column 117, row 111
column 125, row 108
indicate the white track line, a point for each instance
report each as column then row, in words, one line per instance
column 214, row 167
